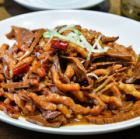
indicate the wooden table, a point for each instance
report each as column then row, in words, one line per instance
column 9, row 8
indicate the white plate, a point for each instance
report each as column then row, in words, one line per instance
column 128, row 30
column 58, row 4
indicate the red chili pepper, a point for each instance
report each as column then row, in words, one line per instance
column 58, row 44
column 21, row 69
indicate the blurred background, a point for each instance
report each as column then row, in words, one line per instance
column 128, row 8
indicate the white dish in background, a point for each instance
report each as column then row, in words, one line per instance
column 128, row 30
column 58, row 4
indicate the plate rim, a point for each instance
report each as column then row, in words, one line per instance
column 70, row 11
column 51, row 8
column 41, row 129
column 68, row 131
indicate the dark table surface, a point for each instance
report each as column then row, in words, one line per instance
column 11, row 132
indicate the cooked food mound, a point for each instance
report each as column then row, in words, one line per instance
column 68, row 75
